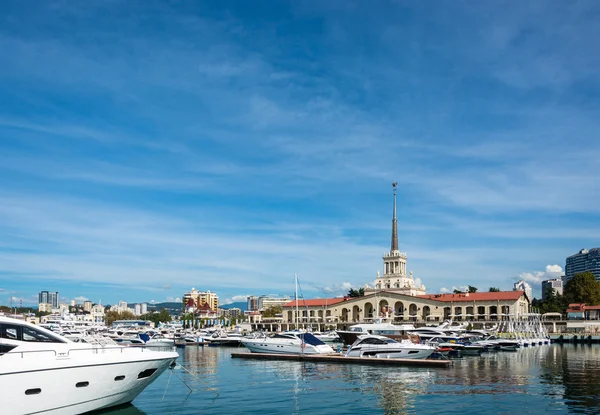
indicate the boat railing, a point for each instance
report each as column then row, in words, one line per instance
column 68, row 352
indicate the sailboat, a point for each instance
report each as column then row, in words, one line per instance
column 290, row 342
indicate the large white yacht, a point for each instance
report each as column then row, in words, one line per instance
column 287, row 343
column 42, row 372
column 381, row 328
column 383, row 347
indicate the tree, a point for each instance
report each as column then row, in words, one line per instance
column 583, row 288
column 356, row 293
column 272, row 311
column 162, row 316
column 112, row 316
column 494, row 289
column 472, row 289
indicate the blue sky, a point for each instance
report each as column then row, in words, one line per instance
column 149, row 147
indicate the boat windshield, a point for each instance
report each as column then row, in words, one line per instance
column 27, row 334
column 310, row 339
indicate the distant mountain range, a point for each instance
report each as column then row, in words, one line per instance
column 242, row 305
column 168, row 305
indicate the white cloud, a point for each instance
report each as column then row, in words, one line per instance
column 81, row 299
column 444, row 290
column 172, row 300
column 235, row 299
column 536, row 277
column 337, row 289
column 462, row 288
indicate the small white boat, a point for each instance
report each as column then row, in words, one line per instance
column 287, row 343
column 384, row 347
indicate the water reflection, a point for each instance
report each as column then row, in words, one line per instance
column 576, row 369
column 531, row 381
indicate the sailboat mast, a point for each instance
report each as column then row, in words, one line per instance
column 297, row 313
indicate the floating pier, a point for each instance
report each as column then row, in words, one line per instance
column 336, row 358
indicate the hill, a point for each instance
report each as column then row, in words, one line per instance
column 242, row 305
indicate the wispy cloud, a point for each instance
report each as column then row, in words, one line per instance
column 217, row 153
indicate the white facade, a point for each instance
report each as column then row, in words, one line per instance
column 524, row 286
column 555, row 284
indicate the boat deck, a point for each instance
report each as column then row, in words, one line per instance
column 336, row 358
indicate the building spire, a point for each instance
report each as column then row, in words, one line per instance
column 394, row 222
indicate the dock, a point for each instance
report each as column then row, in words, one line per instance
column 339, row 359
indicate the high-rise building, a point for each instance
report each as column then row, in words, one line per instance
column 144, row 308
column 48, row 297
column 584, row 260
column 137, row 310
column 265, row 302
column 524, row 286
column 87, row 306
column 555, row 285
column 201, row 298
column 252, row 303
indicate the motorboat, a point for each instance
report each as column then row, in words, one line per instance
column 225, row 338
column 428, row 333
column 328, row 337
column 287, row 343
column 156, row 340
column 43, row 372
column 385, row 347
column 379, row 328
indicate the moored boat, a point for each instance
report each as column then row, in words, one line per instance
column 287, row 343
column 385, row 347
column 51, row 374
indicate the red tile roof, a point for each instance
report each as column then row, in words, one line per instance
column 591, row 307
column 318, row 302
column 480, row 296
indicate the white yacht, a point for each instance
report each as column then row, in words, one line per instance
column 380, row 328
column 43, row 372
column 384, row 347
column 290, row 342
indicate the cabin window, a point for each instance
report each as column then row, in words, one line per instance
column 34, row 391
column 28, row 334
column 120, row 377
column 5, row 348
column 413, row 351
column 146, row 373
column 33, row 335
column 81, row 384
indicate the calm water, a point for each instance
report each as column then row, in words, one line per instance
column 548, row 379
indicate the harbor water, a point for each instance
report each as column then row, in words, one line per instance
column 557, row 379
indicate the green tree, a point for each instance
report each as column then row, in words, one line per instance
column 162, row 316
column 494, row 289
column 472, row 289
column 356, row 293
column 582, row 288
column 272, row 311
column 112, row 316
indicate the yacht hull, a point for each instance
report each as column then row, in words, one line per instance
column 265, row 346
column 73, row 387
